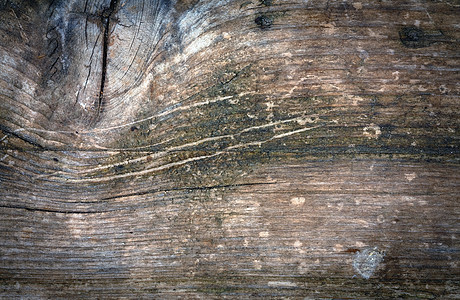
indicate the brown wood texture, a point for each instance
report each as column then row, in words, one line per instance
column 238, row 149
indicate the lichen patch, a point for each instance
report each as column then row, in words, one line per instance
column 365, row 262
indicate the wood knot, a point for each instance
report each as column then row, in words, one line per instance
column 413, row 37
column 264, row 21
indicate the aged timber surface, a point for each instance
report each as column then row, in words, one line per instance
column 209, row 149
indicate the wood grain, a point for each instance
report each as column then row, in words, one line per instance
column 209, row 149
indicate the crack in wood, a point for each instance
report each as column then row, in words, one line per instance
column 196, row 188
column 23, row 138
column 50, row 210
column 106, row 17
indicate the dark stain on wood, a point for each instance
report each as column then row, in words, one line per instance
column 352, row 250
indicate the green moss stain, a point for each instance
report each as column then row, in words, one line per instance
column 235, row 131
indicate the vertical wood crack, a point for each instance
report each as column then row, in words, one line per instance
column 105, row 19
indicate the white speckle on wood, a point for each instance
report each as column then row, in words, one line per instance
column 358, row 5
column 297, row 201
column 270, row 105
column 226, row 35
column 282, row 283
column 410, row 176
column 257, row 264
column 372, row 131
column 338, row 247
column 360, row 244
column 264, row 234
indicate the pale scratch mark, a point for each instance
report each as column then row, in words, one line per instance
column 126, row 162
column 294, row 132
column 361, row 222
column 283, row 284
column 196, row 143
column 135, row 148
column 182, row 162
column 50, row 175
column 259, row 143
column 429, row 16
column 146, row 171
column 157, row 155
column 151, row 169
column 152, row 156
column 176, row 108
column 232, row 136
column 209, row 139
column 272, row 124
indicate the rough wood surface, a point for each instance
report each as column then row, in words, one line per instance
column 212, row 149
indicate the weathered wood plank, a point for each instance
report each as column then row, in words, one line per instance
column 229, row 149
